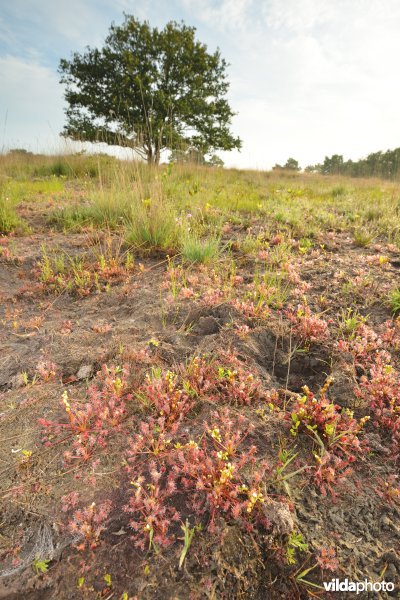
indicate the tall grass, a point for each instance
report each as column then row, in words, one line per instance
column 152, row 222
column 9, row 220
column 77, row 166
column 148, row 203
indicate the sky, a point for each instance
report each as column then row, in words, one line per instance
column 309, row 78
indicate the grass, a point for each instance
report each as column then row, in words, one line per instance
column 362, row 238
column 152, row 225
column 113, row 194
column 9, row 220
column 394, row 299
column 107, row 209
column 21, row 166
column 197, row 250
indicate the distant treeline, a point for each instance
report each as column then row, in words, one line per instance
column 378, row 164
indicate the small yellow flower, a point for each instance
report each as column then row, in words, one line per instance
column 65, row 401
column 216, row 434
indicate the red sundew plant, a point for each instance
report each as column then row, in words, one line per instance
column 69, row 501
column 88, row 523
column 223, row 479
column 167, row 394
column 109, row 394
column 331, row 472
column 389, row 489
column 46, row 370
column 173, row 394
column 199, row 375
column 89, row 422
column 233, row 384
column 153, row 440
column 362, row 346
column 381, row 391
column 336, row 427
column 212, row 476
column 294, row 277
column 80, row 426
column 335, row 431
column 152, row 515
column 250, row 309
column 212, row 297
column 391, row 334
column 308, row 327
column 238, row 386
column 326, row 559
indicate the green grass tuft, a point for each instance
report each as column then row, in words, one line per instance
column 198, row 250
column 394, row 299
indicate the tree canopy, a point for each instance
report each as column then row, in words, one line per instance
column 150, row 90
column 377, row 164
column 290, row 165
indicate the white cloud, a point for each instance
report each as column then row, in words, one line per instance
column 225, row 15
column 313, row 77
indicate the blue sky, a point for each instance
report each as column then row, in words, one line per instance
column 309, row 78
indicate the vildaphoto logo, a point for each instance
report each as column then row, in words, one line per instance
column 335, row 585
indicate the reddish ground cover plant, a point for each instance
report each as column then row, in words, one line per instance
column 212, row 476
column 391, row 333
column 225, row 380
column 225, row 479
column 380, row 390
column 46, row 370
column 81, row 275
column 326, row 559
column 152, row 513
column 90, row 422
column 307, row 327
column 335, row 431
column 168, row 395
column 379, row 383
column 362, row 346
column 88, row 524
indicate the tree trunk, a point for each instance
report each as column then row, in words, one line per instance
column 153, row 158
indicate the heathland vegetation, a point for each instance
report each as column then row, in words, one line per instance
column 199, row 382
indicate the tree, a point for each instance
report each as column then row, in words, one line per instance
column 150, row 90
column 333, row 165
column 312, row 169
column 290, row 165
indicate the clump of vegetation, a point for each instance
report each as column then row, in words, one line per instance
column 152, row 223
column 335, row 431
column 89, row 423
column 394, row 299
column 200, row 250
column 82, row 275
column 9, row 220
column 362, row 238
